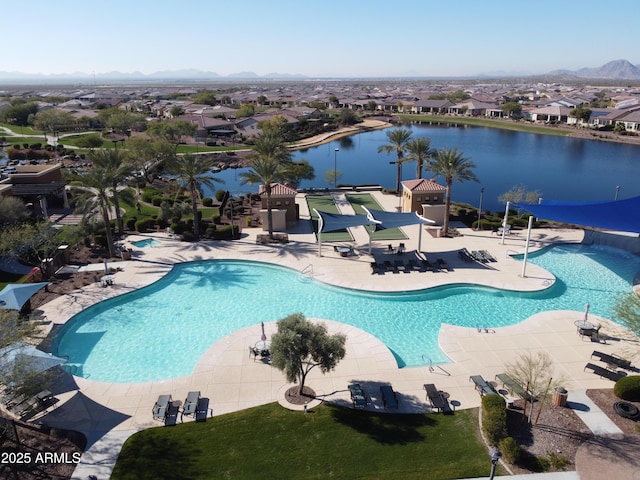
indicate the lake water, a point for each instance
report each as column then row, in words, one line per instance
column 559, row 168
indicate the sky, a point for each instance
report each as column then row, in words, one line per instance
column 328, row 38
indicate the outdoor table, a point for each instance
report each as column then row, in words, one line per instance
column 344, row 251
column 263, row 347
column 107, row 280
column 584, row 325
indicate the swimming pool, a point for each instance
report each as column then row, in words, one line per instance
column 162, row 330
column 147, row 242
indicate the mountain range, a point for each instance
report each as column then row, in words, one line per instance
column 614, row 70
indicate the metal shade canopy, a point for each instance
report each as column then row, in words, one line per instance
column 27, row 358
column 15, row 295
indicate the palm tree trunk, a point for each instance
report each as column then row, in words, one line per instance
column 116, row 205
column 196, row 220
column 419, row 169
column 107, row 223
column 398, row 175
column 269, row 214
column 447, row 206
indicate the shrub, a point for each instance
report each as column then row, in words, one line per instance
column 188, row 236
column 216, row 219
column 157, row 200
column 131, row 223
column 219, row 195
column 141, row 226
column 628, row 388
column 248, row 221
column 149, row 193
column 510, row 449
column 228, row 232
column 177, row 228
column 207, row 201
column 494, row 418
column 558, row 462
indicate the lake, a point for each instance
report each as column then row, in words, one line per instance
column 559, row 168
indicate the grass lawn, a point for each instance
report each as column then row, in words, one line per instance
column 325, row 203
column 360, row 200
column 271, row 442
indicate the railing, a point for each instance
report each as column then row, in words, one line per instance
column 306, row 273
column 512, row 252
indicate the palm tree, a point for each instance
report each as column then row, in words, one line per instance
column 269, row 163
column 419, row 151
column 118, row 169
column 94, row 193
column 398, row 139
column 192, row 172
column 451, row 164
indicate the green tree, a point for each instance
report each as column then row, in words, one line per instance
column 454, row 167
column 627, row 310
column 347, row 117
column 300, row 345
column 52, row 120
column 12, row 211
column 145, row 155
column 176, row 111
column 20, row 114
column 520, row 194
column 333, row 101
column 512, row 109
column 172, row 131
column 371, row 106
column 93, row 194
column 91, row 141
column 268, row 162
column 31, row 243
column 192, row 172
column 581, row 113
column 293, row 173
column 206, row 97
column 419, row 150
column 113, row 161
column 246, row 110
column 13, row 331
column 398, row 140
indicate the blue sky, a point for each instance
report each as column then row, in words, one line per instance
column 347, row 38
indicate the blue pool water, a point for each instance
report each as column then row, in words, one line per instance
column 162, row 330
column 147, row 242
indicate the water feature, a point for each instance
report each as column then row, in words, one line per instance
column 559, row 168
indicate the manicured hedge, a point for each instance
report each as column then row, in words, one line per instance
column 494, row 418
column 628, row 388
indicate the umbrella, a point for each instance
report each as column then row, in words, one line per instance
column 15, row 295
column 264, row 335
column 106, row 267
column 586, row 313
column 27, row 358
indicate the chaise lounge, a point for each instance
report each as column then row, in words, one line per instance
column 612, row 360
column 161, row 406
column 389, row 397
column 358, row 397
column 604, row 373
column 190, row 403
column 514, row 387
column 482, row 387
column 435, row 397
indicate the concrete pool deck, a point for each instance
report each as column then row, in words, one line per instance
column 233, row 380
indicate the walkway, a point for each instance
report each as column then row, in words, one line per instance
column 233, row 380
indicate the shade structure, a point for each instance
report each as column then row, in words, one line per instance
column 619, row 215
column 26, row 359
column 15, row 295
column 384, row 219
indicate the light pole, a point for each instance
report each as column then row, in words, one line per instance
column 335, row 167
column 617, row 191
column 480, row 207
column 495, row 456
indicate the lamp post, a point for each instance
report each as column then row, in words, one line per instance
column 495, row 455
column 335, row 167
column 617, row 191
column 480, row 207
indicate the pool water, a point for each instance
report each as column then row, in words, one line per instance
column 147, row 242
column 161, row 331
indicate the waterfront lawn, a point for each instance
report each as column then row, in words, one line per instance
column 328, row 442
column 360, row 200
column 325, row 203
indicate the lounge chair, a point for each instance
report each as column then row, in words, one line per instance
column 171, row 418
column 358, row 397
column 399, row 264
column 612, row 360
column 190, row 403
column 482, row 386
column 488, row 256
column 411, row 265
column 375, row 268
column 436, row 400
column 604, row 373
column 443, row 264
column 389, row 267
column 513, row 387
column 161, row 406
column 389, row 398
column 202, row 408
column 477, row 256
